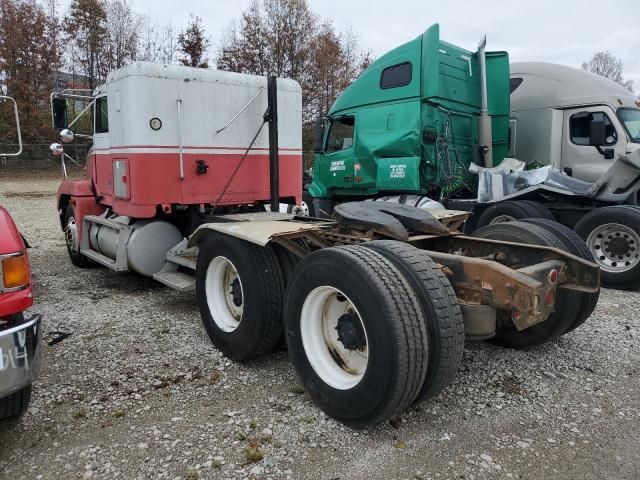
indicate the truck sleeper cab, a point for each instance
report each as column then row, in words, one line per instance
column 553, row 108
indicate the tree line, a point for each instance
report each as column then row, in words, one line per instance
column 93, row 37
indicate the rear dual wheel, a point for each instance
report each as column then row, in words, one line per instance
column 571, row 308
column 355, row 335
column 359, row 331
column 239, row 289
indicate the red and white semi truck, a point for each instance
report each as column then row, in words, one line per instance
column 183, row 184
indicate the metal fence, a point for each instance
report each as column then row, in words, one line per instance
column 36, row 158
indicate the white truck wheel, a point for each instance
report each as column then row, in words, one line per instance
column 612, row 235
column 356, row 334
column 239, row 289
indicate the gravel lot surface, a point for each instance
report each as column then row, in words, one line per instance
column 138, row 391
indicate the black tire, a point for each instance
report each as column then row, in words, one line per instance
column 76, row 257
column 515, row 209
column 567, row 302
column 394, row 330
column 440, row 309
column 612, row 273
column 15, row 404
column 576, row 246
column 287, row 262
column 260, row 297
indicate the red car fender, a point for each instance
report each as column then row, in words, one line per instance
column 11, row 242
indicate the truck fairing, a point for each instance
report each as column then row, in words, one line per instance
column 404, row 106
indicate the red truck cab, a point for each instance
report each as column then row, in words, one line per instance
column 20, row 331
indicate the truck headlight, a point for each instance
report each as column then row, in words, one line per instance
column 15, row 271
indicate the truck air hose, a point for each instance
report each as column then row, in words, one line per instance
column 451, row 176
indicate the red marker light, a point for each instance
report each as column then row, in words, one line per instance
column 550, row 297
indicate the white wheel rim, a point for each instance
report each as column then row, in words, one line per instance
column 616, row 247
column 219, row 288
column 502, row 219
column 71, row 235
column 340, row 367
column 301, row 210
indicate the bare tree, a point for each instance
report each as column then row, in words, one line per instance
column 285, row 38
column 157, row 43
column 609, row 66
column 86, row 29
column 194, row 44
column 27, row 62
column 121, row 42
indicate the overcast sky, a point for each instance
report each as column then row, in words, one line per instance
column 561, row 31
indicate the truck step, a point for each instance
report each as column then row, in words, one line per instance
column 183, row 255
column 185, row 259
column 182, row 282
column 103, row 260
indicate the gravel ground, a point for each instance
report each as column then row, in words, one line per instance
column 138, row 391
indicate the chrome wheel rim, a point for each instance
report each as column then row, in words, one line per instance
column 615, row 247
column 71, row 236
column 334, row 338
column 225, row 295
column 301, row 210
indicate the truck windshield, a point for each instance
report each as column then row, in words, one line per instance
column 630, row 118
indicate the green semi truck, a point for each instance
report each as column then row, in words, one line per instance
column 411, row 126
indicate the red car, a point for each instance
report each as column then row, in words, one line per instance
column 20, row 331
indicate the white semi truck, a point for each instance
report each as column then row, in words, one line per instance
column 587, row 129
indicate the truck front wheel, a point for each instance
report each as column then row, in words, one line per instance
column 239, row 289
column 356, row 335
column 612, row 235
column 72, row 239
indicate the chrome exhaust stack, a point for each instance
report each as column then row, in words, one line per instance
column 485, row 134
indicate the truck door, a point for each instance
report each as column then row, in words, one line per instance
column 579, row 158
column 101, row 144
column 338, row 162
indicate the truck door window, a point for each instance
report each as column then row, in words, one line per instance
column 514, row 83
column 580, row 123
column 340, row 134
column 630, row 118
column 102, row 115
column 396, row 75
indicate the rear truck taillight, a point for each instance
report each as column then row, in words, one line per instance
column 15, row 271
column 553, row 276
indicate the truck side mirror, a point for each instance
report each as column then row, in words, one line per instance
column 318, row 134
column 59, row 112
column 597, row 133
column 12, row 104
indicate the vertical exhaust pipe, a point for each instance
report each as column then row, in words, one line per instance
column 485, row 134
column 274, row 166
